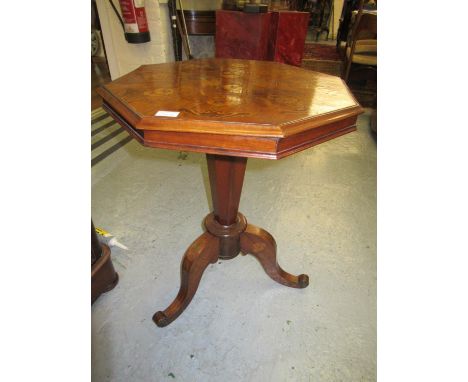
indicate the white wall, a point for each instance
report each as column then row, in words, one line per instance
column 123, row 57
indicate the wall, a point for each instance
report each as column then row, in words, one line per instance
column 337, row 6
column 123, row 57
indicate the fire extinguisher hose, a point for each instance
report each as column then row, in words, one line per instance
column 118, row 14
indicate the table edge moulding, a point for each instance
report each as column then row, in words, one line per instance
column 236, row 137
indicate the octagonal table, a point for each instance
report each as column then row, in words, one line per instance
column 230, row 110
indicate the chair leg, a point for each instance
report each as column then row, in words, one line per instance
column 346, row 69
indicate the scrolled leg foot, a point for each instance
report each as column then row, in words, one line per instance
column 161, row 319
column 303, row 281
column 262, row 245
column 198, row 256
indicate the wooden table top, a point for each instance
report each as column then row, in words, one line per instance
column 232, row 107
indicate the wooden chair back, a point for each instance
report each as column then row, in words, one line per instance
column 365, row 28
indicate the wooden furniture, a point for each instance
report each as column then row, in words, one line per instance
column 362, row 47
column 345, row 20
column 348, row 13
column 321, row 12
column 231, row 110
column 242, row 35
column 103, row 276
column 199, row 22
column 272, row 36
column 288, row 32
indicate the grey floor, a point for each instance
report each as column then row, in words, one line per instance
column 320, row 205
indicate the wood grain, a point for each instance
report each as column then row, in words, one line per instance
column 232, row 107
column 226, row 179
column 259, row 243
column 198, row 256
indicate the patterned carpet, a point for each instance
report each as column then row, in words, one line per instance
column 325, row 59
column 322, row 58
column 321, row 52
column 106, row 136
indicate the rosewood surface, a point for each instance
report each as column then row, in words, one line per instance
column 242, row 35
column 288, row 31
column 230, row 110
column 272, row 36
column 245, row 108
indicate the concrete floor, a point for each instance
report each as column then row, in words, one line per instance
column 320, row 205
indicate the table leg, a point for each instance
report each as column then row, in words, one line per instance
column 226, row 178
column 227, row 234
column 198, row 256
column 262, row 245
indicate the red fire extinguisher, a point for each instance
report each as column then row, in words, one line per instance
column 134, row 21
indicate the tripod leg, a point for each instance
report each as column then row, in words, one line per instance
column 261, row 244
column 198, row 256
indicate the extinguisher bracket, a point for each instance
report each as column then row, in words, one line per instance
column 137, row 38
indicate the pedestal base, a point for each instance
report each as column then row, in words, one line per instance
column 227, row 235
column 225, row 242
